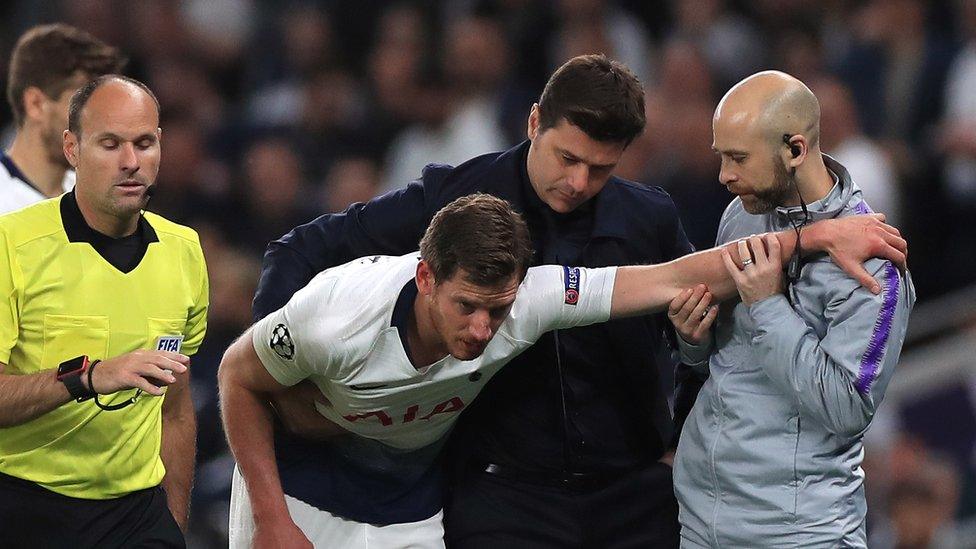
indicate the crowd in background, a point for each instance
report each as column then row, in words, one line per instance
column 276, row 112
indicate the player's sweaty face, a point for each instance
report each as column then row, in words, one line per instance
column 568, row 167
column 467, row 315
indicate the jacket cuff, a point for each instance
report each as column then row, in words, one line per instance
column 694, row 355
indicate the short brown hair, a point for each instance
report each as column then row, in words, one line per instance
column 597, row 95
column 51, row 57
column 481, row 235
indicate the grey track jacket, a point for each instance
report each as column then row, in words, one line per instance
column 770, row 455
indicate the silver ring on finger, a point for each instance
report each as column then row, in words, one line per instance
column 746, row 262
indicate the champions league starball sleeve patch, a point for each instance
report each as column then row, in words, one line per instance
column 281, row 342
column 571, row 279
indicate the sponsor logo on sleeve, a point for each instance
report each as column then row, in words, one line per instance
column 281, row 342
column 571, row 279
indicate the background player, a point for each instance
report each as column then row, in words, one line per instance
column 48, row 64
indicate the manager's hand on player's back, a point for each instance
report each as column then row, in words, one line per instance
column 141, row 369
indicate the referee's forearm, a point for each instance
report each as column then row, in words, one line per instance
column 27, row 397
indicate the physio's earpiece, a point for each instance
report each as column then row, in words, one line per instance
column 793, row 266
column 794, row 149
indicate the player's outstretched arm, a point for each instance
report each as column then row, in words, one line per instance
column 245, row 387
column 850, row 241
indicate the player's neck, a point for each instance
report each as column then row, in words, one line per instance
column 29, row 155
column 425, row 345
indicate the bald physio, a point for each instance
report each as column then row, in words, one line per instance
column 769, row 124
column 771, row 453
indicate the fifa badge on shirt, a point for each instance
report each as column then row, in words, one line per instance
column 171, row 343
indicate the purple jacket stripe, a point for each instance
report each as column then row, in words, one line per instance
column 871, row 360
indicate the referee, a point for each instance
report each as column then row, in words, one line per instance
column 102, row 303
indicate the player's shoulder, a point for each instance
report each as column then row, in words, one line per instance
column 16, row 194
column 350, row 303
column 371, row 270
column 544, row 272
column 363, row 288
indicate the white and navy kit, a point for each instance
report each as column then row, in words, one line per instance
column 346, row 332
column 16, row 191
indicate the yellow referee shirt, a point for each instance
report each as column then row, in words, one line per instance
column 60, row 299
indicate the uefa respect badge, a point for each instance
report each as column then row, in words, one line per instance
column 571, row 279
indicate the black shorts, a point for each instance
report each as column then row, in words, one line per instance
column 32, row 516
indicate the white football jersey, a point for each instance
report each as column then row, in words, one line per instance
column 16, row 192
column 336, row 332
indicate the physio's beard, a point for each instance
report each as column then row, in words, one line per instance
column 778, row 194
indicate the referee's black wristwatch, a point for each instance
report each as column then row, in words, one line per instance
column 70, row 372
